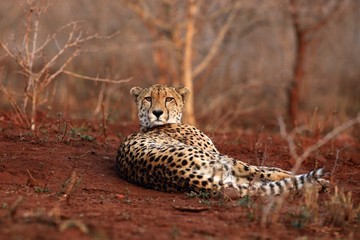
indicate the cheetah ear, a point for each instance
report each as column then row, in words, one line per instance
column 184, row 92
column 135, row 92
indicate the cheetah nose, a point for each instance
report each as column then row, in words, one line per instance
column 157, row 113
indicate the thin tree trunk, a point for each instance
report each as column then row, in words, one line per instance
column 187, row 63
column 302, row 45
column 298, row 76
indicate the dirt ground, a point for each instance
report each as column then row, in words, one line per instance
column 64, row 186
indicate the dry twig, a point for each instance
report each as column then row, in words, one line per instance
column 299, row 159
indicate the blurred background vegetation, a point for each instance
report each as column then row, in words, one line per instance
column 246, row 83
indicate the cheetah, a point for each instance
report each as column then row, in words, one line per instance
column 169, row 156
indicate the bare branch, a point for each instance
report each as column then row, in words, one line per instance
column 299, row 159
column 19, row 113
column 49, row 79
column 31, row 51
column 146, row 16
column 97, row 79
column 217, row 42
column 17, row 59
column 338, row 151
column 53, row 36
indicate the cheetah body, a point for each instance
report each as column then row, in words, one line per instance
column 167, row 155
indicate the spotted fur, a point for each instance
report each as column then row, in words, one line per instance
column 167, row 155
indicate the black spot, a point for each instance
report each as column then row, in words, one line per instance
column 149, row 167
column 268, row 175
column 184, row 162
column 246, row 168
column 191, row 175
column 170, row 159
column 196, row 182
column 261, row 175
column 204, row 183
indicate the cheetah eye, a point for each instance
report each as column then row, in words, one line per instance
column 169, row 99
column 148, row 99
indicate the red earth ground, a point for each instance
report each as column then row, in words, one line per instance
column 64, row 186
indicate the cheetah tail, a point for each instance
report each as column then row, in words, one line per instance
column 287, row 184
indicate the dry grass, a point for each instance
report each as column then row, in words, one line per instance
column 341, row 210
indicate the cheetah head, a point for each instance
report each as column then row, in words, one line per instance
column 159, row 104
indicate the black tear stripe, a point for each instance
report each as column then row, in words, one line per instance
column 168, row 113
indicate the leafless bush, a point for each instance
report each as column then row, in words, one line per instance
column 41, row 68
